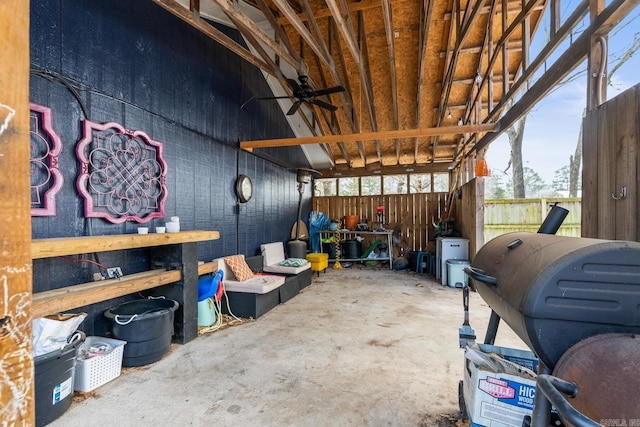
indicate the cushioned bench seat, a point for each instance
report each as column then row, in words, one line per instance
column 300, row 269
column 251, row 297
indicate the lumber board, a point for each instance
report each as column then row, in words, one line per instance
column 70, row 297
column 16, row 362
column 207, row 267
column 60, row 246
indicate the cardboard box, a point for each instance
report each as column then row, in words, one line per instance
column 498, row 399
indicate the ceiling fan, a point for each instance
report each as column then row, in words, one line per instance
column 302, row 92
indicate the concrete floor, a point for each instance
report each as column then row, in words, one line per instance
column 355, row 348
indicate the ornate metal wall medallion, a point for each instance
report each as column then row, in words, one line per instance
column 123, row 173
column 45, row 178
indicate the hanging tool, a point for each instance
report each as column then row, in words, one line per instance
column 466, row 334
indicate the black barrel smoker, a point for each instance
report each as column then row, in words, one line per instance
column 576, row 303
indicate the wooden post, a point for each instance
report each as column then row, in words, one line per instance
column 16, row 355
column 596, row 62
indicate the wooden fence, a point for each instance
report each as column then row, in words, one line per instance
column 411, row 214
column 505, row 216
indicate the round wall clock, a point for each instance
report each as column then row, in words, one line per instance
column 244, row 188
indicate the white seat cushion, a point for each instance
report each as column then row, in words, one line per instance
column 258, row 284
column 273, row 255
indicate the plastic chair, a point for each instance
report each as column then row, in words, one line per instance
column 425, row 259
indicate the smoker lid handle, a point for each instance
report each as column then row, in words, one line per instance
column 480, row 276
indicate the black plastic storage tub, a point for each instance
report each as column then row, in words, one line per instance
column 146, row 325
column 54, row 378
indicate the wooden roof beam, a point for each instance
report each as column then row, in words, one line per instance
column 554, row 43
column 243, row 22
column 378, row 169
column 348, row 107
column 301, row 29
column 470, row 17
column 388, row 29
column 526, row 10
column 474, row 105
column 345, row 27
column 487, row 9
column 511, row 46
column 362, row 40
column 352, row 7
column 279, row 32
column 368, row 136
column 426, row 12
column 192, row 18
column 571, row 58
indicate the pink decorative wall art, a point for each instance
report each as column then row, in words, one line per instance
column 45, row 146
column 123, row 174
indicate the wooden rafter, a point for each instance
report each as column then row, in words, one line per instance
column 470, row 16
column 426, row 10
column 569, row 59
column 362, row 38
column 302, row 30
column 245, row 24
column 352, row 8
column 563, row 32
column 209, row 30
column 345, row 27
column 279, row 32
column 349, row 110
column 368, row 136
column 486, row 38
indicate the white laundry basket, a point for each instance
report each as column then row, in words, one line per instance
column 99, row 361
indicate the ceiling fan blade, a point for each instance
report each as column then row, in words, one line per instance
column 329, row 90
column 294, row 85
column 323, row 104
column 294, row 108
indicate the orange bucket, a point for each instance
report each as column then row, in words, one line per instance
column 351, row 221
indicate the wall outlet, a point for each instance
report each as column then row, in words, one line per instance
column 114, row 273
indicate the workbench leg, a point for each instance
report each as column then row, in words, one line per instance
column 181, row 256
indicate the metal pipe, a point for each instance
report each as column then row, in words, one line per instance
column 541, row 414
column 553, row 389
column 554, row 220
column 492, row 328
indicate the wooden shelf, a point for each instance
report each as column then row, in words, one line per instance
column 180, row 250
column 207, row 267
column 70, row 297
column 59, row 246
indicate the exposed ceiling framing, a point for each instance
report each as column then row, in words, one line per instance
column 413, row 70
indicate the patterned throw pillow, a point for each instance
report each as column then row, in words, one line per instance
column 239, row 266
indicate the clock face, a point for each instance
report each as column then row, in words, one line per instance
column 244, row 188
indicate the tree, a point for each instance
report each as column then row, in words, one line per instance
column 533, row 182
column 516, row 135
column 561, row 179
column 575, row 162
column 495, row 187
column 516, row 132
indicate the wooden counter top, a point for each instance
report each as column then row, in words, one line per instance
column 60, row 246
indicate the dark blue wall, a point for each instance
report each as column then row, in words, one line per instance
column 136, row 64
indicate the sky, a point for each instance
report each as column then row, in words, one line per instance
column 552, row 127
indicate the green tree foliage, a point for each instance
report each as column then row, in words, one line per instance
column 533, row 183
column 500, row 185
column 561, row 179
column 495, row 187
